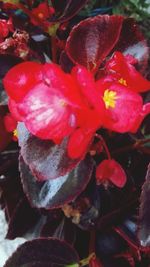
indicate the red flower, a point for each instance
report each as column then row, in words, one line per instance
column 110, row 170
column 124, row 107
column 21, row 78
column 47, row 113
column 122, row 66
column 46, row 99
column 89, row 119
column 5, row 28
column 53, row 104
column 42, row 12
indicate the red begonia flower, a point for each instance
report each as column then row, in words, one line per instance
column 111, row 170
column 47, row 113
column 21, row 78
column 123, row 66
column 42, row 12
column 124, row 108
column 5, row 28
column 89, row 118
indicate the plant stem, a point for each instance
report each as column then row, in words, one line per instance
column 104, row 145
column 137, row 145
column 86, row 261
column 54, row 49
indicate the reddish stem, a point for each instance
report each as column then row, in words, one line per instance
column 92, row 241
column 54, row 49
column 29, row 3
column 104, row 145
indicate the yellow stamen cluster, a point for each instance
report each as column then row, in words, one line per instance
column 122, row 81
column 41, row 15
column 15, row 133
column 110, row 98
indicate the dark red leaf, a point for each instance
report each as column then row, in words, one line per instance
column 67, row 9
column 22, row 220
column 43, row 252
column 93, row 39
column 65, row 62
column 144, row 219
column 132, row 41
column 7, row 62
column 45, row 159
column 56, row 192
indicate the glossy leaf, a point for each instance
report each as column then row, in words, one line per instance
column 56, row 192
column 93, row 39
column 144, row 222
column 132, row 41
column 22, row 220
column 7, row 62
column 45, row 253
column 67, row 9
column 45, row 159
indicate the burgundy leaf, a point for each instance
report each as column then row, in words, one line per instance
column 7, row 62
column 66, row 231
column 65, row 9
column 56, row 192
column 144, row 218
column 45, row 159
column 43, row 252
column 23, row 219
column 93, row 39
column 65, row 62
column 132, row 41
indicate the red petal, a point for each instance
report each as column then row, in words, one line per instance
column 10, row 123
column 79, row 143
column 145, row 111
column 93, row 39
column 14, row 109
column 112, row 171
column 64, row 83
column 87, row 87
column 47, row 114
column 21, row 78
column 125, row 114
column 121, row 65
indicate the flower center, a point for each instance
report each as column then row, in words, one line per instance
column 110, row 98
column 40, row 15
column 15, row 133
column 122, row 81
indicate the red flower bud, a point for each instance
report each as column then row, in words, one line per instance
column 111, row 170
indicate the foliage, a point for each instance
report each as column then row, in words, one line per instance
column 76, row 99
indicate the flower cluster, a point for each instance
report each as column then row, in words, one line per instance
column 54, row 105
column 6, row 26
